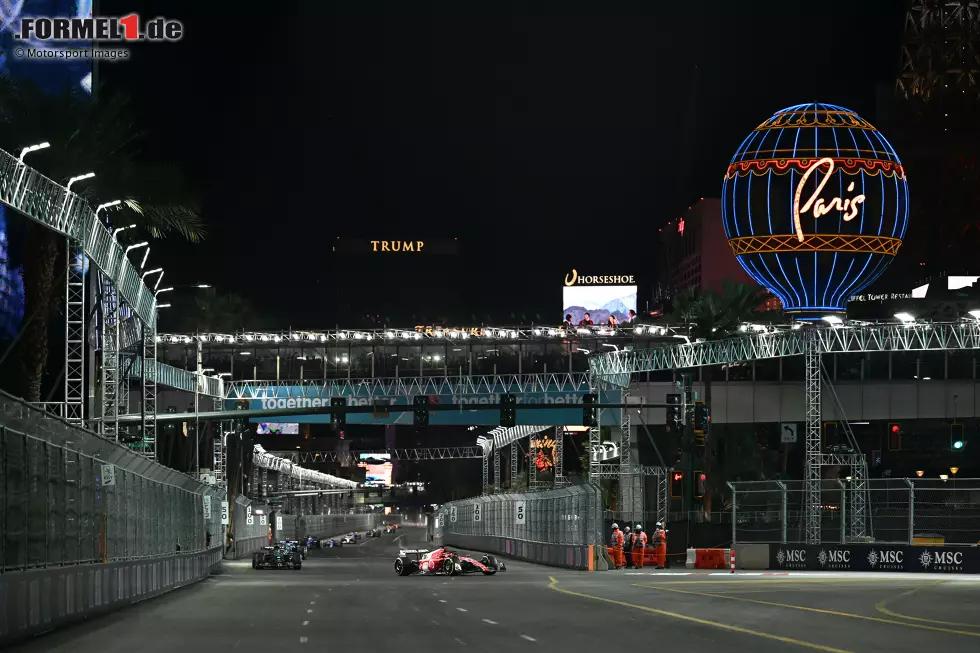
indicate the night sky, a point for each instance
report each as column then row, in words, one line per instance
column 543, row 139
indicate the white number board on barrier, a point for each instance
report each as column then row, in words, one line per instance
column 224, row 513
column 278, row 523
column 476, row 512
column 263, row 520
column 520, row 512
column 452, row 514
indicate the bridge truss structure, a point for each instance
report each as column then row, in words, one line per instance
column 353, row 457
column 117, row 306
column 615, row 370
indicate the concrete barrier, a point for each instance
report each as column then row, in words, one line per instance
column 570, row 556
column 38, row 600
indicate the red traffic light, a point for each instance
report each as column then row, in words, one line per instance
column 678, row 476
column 896, row 428
column 704, row 477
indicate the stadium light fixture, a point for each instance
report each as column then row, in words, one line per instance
column 920, row 473
column 136, row 246
column 33, row 148
column 163, row 305
column 905, row 318
column 107, row 205
column 115, row 234
column 975, row 314
column 954, row 470
column 944, row 477
column 833, row 319
column 87, row 175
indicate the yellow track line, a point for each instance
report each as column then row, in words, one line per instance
column 704, row 622
column 880, row 607
column 804, row 608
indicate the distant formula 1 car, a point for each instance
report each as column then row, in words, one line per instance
column 350, row 538
column 445, row 562
column 277, row 557
column 374, row 533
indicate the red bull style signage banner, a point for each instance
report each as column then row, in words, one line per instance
column 469, row 411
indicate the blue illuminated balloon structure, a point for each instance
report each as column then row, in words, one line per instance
column 815, row 206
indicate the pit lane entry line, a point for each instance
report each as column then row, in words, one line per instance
column 880, row 607
column 804, row 608
column 704, row 622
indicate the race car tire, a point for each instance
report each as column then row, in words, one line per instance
column 402, row 568
column 255, row 565
column 449, row 567
column 491, row 564
column 298, row 566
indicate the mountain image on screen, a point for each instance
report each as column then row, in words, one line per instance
column 618, row 307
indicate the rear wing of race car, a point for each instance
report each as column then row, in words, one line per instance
column 417, row 552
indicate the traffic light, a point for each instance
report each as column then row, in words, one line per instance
column 701, row 417
column 421, row 403
column 677, row 484
column 338, row 412
column 590, row 414
column 675, row 415
column 508, row 410
column 700, row 480
column 956, row 441
column 894, row 437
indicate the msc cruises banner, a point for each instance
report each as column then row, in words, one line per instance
column 875, row 557
column 469, row 412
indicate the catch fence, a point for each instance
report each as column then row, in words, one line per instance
column 893, row 511
column 69, row 496
column 570, row 515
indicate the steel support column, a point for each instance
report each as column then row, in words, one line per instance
column 149, row 391
column 595, row 440
column 560, row 480
column 496, row 468
column 532, row 468
column 513, row 462
column 486, row 463
column 109, row 426
column 75, row 343
column 812, row 467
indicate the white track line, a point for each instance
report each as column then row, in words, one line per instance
column 462, row 609
column 491, row 622
column 530, row 639
column 309, row 612
column 442, row 600
column 306, row 623
column 303, row 640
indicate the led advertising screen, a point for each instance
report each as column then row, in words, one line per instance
column 377, row 468
column 600, row 302
column 277, row 428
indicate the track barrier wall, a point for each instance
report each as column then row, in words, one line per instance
column 553, row 527
column 877, row 557
column 39, row 600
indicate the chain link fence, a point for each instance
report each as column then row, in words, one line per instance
column 571, row 515
column 894, row 511
column 69, row 496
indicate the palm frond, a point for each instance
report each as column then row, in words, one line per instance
column 164, row 219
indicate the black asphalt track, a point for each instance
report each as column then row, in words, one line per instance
column 350, row 599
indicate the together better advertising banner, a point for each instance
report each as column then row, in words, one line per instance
column 875, row 557
column 469, row 412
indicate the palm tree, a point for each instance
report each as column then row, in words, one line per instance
column 86, row 133
column 712, row 316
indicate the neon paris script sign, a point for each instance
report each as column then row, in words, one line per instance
column 848, row 206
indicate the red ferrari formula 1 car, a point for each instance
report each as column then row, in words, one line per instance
column 445, row 562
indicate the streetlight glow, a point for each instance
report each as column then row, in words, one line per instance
column 33, row 148
column 136, row 246
column 157, row 284
column 149, row 272
column 905, row 318
column 163, row 290
column 202, row 285
column 163, row 305
column 107, row 205
column 833, row 319
column 975, row 314
column 87, row 175
column 145, row 256
column 115, row 234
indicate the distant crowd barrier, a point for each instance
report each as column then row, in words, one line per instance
column 553, row 527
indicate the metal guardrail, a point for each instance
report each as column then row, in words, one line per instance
column 570, row 515
column 898, row 510
column 173, row 377
column 28, row 191
column 59, row 510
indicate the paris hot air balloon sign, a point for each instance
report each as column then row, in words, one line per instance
column 815, row 206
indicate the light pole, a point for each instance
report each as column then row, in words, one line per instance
column 136, row 246
column 24, row 152
column 107, row 205
column 87, row 175
column 115, row 234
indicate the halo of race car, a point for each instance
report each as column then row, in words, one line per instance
column 443, row 561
